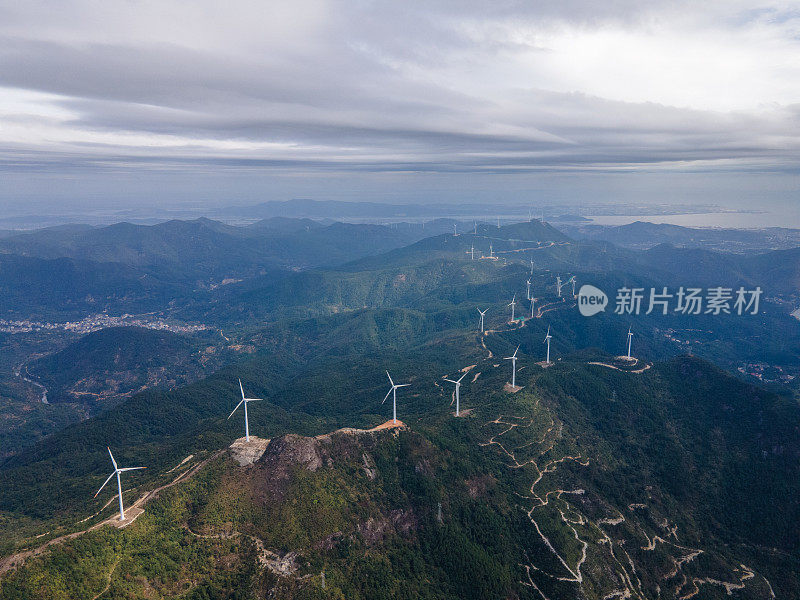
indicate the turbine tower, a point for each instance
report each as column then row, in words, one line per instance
column 455, row 231
column 573, row 285
column 244, row 401
column 458, row 390
column 116, row 472
column 491, row 251
column 531, row 266
column 558, row 285
column 513, row 359
column 393, row 392
column 472, row 252
column 533, row 301
column 483, row 312
column 528, row 294
column 547, row 339
column 630, row 336
column 512, row 304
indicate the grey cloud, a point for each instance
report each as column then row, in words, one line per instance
column 359, row 97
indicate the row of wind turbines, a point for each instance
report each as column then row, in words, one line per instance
column 559, row 285
column 392, row 390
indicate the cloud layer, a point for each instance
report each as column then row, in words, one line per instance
column 311, row 87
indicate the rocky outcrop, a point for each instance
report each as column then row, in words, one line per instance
column 292, row 449
column 246, row 453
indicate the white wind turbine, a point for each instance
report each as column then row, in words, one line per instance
column 472, row 252
column 393, row 392
column 244, row 401
column 573, row 284
column 455, row 231
column 528, row 294
column 630, row 336
column 483, row 312
column 512, row 304
column 531, row 266
column 533, row 301
column 491, row 251
column 116, row 472
column 513, row 359
column 458, row 390
column 547, row 339
column 558, row 285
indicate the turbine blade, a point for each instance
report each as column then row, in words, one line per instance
column 515, row 351
column 105, row 482
column 237, row 406
column 451, row 381
column 402, row 385
column 462, row 377
column 252, row 399
column 387, row 395
column 390, row 378
column 130, row 469
column 241, row 388
column 112, row 457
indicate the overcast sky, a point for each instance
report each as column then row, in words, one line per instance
column 158, row 102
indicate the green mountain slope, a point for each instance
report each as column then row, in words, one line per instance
column 587, row 483
column 113, row 363
column 38, row 288
column 668, row 478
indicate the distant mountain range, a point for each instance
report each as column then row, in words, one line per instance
column 641, row 236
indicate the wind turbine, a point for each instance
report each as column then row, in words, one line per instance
column 528, row 294
column 458, row 390
column 483, row 312
column 513, row 359
column 455, row 231
column 512, row 304
column 472, row 252
column 244, row 401
column 116, row 472
column 573, row 285
column 531, row 266
column 558, row 285
column 533, row 301
column 630, row 336
column 547, row 339
column 393, row 392
column 491, row 251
